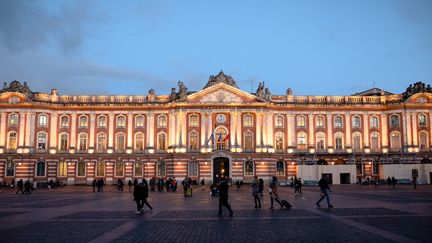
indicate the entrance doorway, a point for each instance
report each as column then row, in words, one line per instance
column 220, row 168
column 345, row 178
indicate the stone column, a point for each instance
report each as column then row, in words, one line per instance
column 53, row 131
column 348, row 130
column 289, row 130
column 270, row 132
column 171, row 130
column 310, row 124
column 129, row 130
column 329, row 131
column 384, row 131
column 366, row 130
column 151, row 129
column 407, row 130
column 3, row 125
column 203, row 127
column 92, row 131
column 414, row 130
column 239, row 131
column 111, row 117
column 258, row 126
column 22, row 127
column 30, row 129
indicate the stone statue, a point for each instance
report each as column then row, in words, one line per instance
column 173, row 95
column 267, row 94
column 289, row 91
column 151, row 95
column 260, row 90
column 182, row 90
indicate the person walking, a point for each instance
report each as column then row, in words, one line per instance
column 223, row 196
column 94, row 185
column 261, row 186
column 20, row 186
column 325, row 191
column 129, row 185
column 145, row 195
column 393, row 182
column 273, row 191
column 255, row 192
column 202, row 184
column 138, row 197
column 414, row 181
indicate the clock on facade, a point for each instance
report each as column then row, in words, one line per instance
column 220, row 118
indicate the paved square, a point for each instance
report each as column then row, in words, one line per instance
column 76, row 214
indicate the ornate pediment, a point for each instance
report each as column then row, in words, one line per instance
column 16, row 86
column 221, row 96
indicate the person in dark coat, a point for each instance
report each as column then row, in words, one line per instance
column 20, row 186
column 145, row 195
column 325, row 190
column 223, row 196
column 138, row 194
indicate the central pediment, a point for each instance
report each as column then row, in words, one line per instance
column 222, row 94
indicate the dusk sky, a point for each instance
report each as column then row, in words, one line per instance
column 127, row 47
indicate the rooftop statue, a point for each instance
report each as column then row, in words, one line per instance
column 221, row 78
column 418, row 87
column 16, row 86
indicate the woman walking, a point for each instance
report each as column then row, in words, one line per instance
column 273, row 191
column 255, row 192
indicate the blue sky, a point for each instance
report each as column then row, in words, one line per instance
column 127, row 47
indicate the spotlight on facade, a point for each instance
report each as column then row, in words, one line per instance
column 52, row 151
column 90, row 151
column 332, row 163
column 410, row 150
column 182, row 150
column 330, row 150
column 293, row 163
column 290, row 150
column 1, row 150
column 349, row 150
column 109, row 151
column 312, row 150
column 416, row 150
column 151, row 151
column 370, row 163
column 71, row 151
column 19, row 151
column 19, row 163
column 202, row 150
column 367, row 150
column 128, row 151
column 385, row 150
column 26, row 150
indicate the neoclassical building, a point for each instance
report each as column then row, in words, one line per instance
column 217, row 131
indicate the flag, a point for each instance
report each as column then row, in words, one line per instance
column 220, row 137
column 227, row 137
column 210, row 138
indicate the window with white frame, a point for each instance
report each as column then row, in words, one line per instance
column 337, row 121
column 13, row 119
column 83, row 121
column 12, row 140
column 280, row 167
column 161, row 169
column 119, row 168
column 138, row 169
column 162, row 142
column 62, row 169
column 162, row 121
column 193, row 168
column 248, row 141
column 248, row 168
column 193, row 141
column 279, row 122
column 41, row 141
column 120, row 142
column 100, row 169
column 102, row 121
column 139, row 121
column 338, row 141
column 247, row 120
column 101, row 142
column 193, row 120
column 42, row 121
column 319, row 121
column 356, row 140
column 64, row 141
column 320, row 140
column 279, row 141
column 121, row 121
column 301, row 140
column 40, row 168
column 423, row 141
column 374, row 138
column 373, row 122
column 82, row 142
column 81, row 169
column 301, row 121
column 139, row 141
column 394, row 121
column 64, row 121
column 10, row 168
column 395, row 141
column 356, row 121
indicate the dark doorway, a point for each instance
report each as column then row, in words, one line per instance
column 220, row 168
column 328, row 177
column 430, row 177
column 345, row 178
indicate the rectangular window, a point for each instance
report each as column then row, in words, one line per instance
column 193, row 168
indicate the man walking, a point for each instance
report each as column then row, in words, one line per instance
column 223, row 197
column 325, row 190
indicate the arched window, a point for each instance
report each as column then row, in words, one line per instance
column 12, row 140
column 356, row 141
column 338, row 141
column 40, row 168
column 101, row 142
column 102, row 121
column 162, row 142
column 301, row 141
column 42, row 121
column 279, row 122
column 62, row 169
column 248, row 144
column 248, row 168
column 373, row 122
column 138, row 169
column 337, row 121
column 139, row 121
column 193, row 141
column 193, row 120
column 162, row 121
column 301, row 121
column 279, row 141
column 320, row 140
column 374, row 141
column 64, row 121
column 423, row 141
column 356, row 121
column 64, row 141
column 120, row 142
column 100, row 169
column 13, row 119
column 394, row 121
column 10, row 168
column 81, row 169
column 121, row 121
column 422, row 120
column 221, row 138
column 247, row 120
column 119, row 168
column 139, row 141
column 41, row 141
column 319, row 121
column 161, row 169
column 395, row 141
column 280, row 167
column 83, row 121
column 193, row 168
column 82, row 142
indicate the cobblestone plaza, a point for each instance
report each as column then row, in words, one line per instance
column 362, row 213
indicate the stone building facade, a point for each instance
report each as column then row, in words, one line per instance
column 217, row 131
